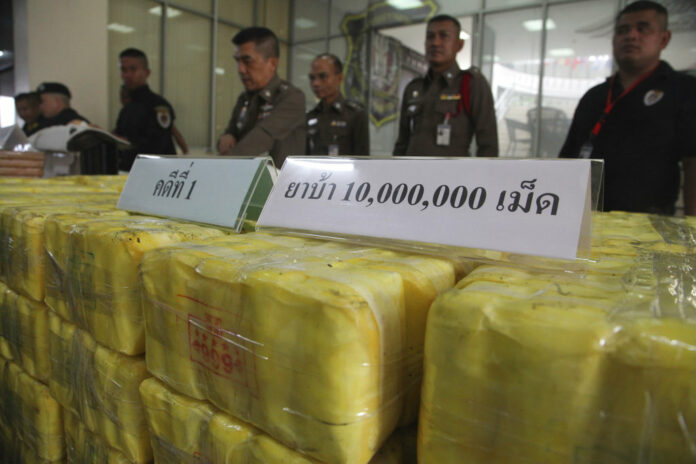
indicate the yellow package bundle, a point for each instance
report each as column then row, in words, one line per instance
column 102, row 274
column 238, row 323
column 57, row 227
column 29, row 414
column 100, row 386
column 102, row 182
column 25, row 266
column 15, row 451
column 82, row 446
column 562, row 370
column 24, row 331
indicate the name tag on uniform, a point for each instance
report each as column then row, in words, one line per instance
column 339, row 123
column 443, row 135
column 446, row 97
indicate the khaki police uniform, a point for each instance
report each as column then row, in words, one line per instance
column 269, row 120
column 340, row 128
column 431, row 123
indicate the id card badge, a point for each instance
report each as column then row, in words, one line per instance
column 586, row 150
column 333, row 149
column 443, row 134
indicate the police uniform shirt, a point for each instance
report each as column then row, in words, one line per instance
column 340, row 128
column 146, row 121
column 269, row 120
column 642, row 140
column 425, row 104
column 66, row 116
column 30, row 128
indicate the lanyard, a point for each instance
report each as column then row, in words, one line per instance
column 610, row 104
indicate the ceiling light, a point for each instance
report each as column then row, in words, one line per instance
column 464, row 36
column 171, row 12
column 404, row 4
column 305, row 23
column 535, row 25
column 560, row 52
column 121, row 28
column 219, row 71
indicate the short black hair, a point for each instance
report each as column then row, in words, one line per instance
column 644, row 5
column 338, row 66
column 443, row 17
column 265, row 41
column 134, row 53
column 30, row 96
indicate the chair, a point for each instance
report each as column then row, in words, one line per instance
column 512, row 127
column 554, row 129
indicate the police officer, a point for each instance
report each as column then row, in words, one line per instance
column 335, row 126
column 269, row 116
column 146, row 119
column 442, row 111
column 641, row 121
column 55, row 105
column 28, row 106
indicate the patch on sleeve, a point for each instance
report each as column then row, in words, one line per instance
column 164, row 116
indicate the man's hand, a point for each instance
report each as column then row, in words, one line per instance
column 226, row 143
column 689, row 186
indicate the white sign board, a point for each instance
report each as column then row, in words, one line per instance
column 534, row 207
column 208, row 190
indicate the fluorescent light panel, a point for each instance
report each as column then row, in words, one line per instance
column 121, row 28
column 305, row 23
column 171, row 12
column 535, row 25
column 405, row 4
column 561, row 52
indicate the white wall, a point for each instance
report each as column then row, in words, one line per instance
column 64, row 41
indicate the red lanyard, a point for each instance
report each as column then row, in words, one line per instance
column 610, row 104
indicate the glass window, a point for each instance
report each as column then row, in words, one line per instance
column 302, row 57
column 204, row 6
column 344, row 14
column 459, row 7
column 227, row 83
column 275, row 15
column 238, row 11
column 131, row 25
column 509, row 3
column 578, row 56
column 511, row 63
column 187, row 78
column 310, row 19
column 681, row 51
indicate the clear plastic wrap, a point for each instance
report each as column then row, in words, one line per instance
column 83, row 446
column 24, row 226
column 100, row 273
column 318, row 344
column 100, row 386
column 24, row 330
column 30, row 416
column 185, row 430
column 542, row 368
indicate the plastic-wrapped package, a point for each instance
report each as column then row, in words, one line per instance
column 24, row 225
column 57, row 227
column 101, row 273
column 542, row 368
column 13, row 450
column 24, row 330
column 185, row 430
column 314, row 344
column 102, row 182
column 29, row 414
column 83, row 446
column 100, row 386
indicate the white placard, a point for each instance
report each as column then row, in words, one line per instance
column 212, row 191
column 534, row 207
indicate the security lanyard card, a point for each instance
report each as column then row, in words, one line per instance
column 531, row 207
column 218, row 191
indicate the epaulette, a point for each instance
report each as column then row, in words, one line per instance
column 357, row 106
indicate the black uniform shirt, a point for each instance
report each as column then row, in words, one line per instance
column 341, row 126
column 33, row 127
column 64, row 117
column 425, row 104
column 146, row 121
column 642, row 140
column 269, row 120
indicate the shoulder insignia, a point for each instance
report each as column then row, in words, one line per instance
column 164, row 116
column 354, row 105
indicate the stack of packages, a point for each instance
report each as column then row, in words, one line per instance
column 533, row 367
column 278, row 349
column 70, row 320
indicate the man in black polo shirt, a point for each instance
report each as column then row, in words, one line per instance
column 147, row 119
column 55, row 106
column 641, row 121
